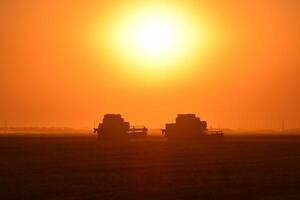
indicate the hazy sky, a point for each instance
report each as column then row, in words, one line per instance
column 56, row 69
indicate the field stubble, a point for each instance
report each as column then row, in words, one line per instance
column 252, row 167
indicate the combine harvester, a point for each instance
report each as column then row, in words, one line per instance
column 115, row 128
column 188, row 127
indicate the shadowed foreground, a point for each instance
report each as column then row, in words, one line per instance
column 82, row 168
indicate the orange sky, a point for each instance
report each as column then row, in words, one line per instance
column 54, row 71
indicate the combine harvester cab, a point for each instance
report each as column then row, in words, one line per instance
column 188, row 127
column 113, row 127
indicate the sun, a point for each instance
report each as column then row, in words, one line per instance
column 153, row 42
column 155, row 37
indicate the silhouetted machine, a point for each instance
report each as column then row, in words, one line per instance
column 188, row 126
column 114, row 127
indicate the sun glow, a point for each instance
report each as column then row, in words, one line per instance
column 155, row 37
column 154, row 43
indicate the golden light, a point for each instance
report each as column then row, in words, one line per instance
column 154, row 43
column 155, row 38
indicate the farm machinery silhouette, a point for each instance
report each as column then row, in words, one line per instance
column 187, row 127
column 114, row 127
column 190, row 127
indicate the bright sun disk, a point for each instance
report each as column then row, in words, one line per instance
column 155, row 37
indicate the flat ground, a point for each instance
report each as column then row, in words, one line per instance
column 42, row 167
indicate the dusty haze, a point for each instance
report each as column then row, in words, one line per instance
column 52, row 73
